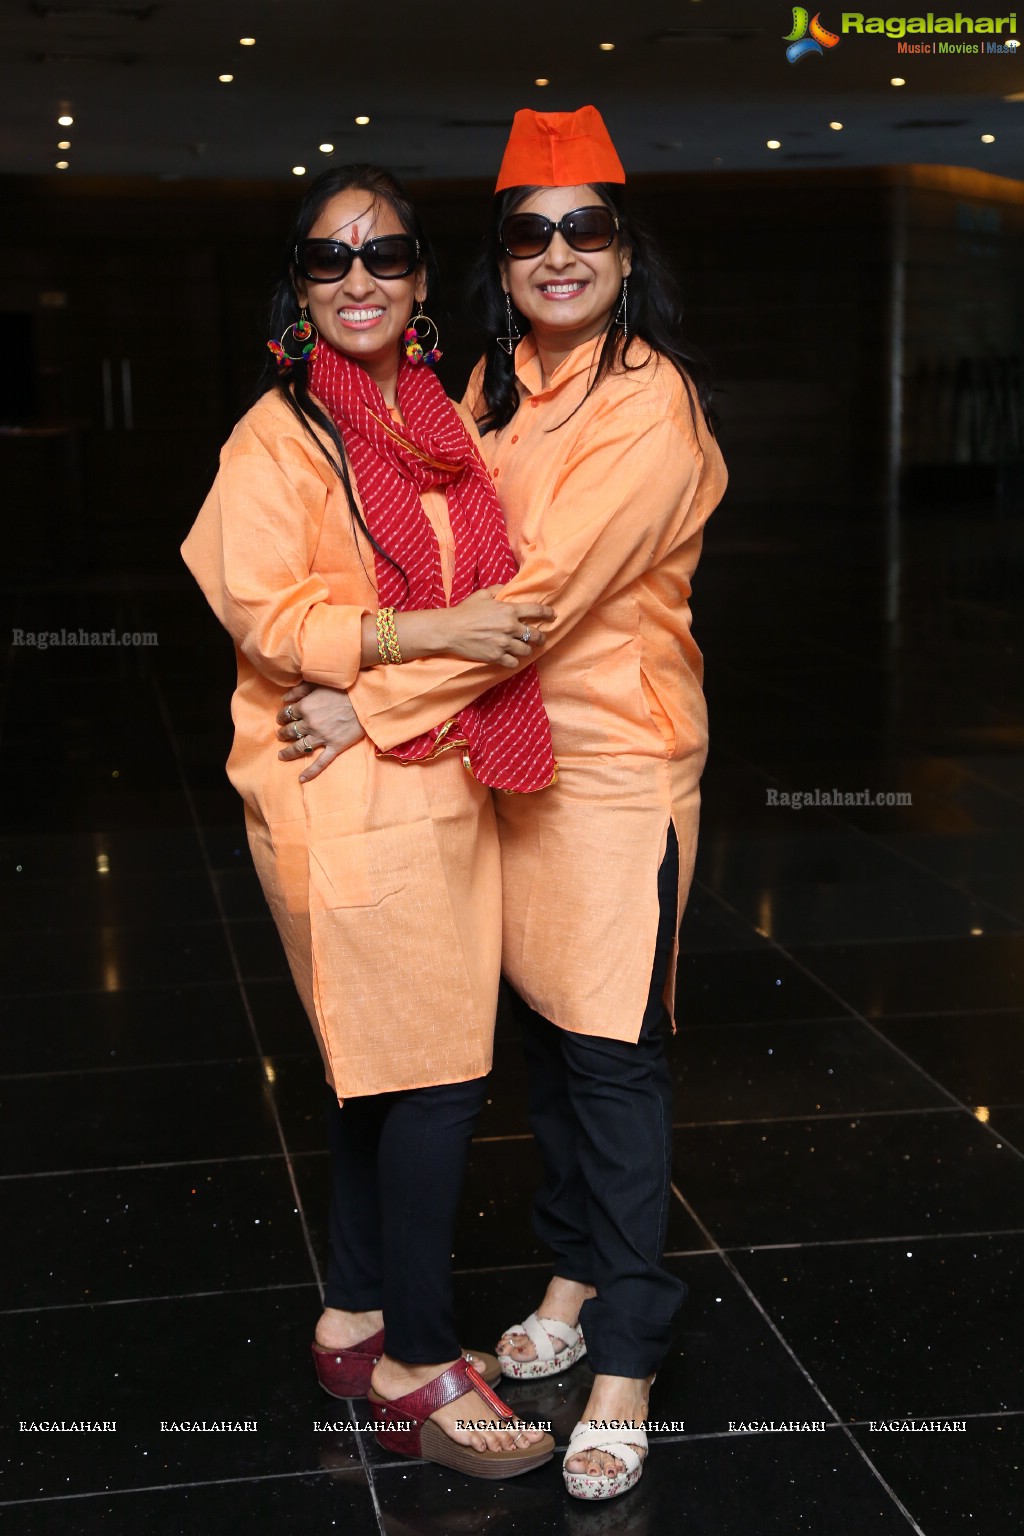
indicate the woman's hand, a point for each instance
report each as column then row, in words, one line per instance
column 484, row 629
column 313, row 717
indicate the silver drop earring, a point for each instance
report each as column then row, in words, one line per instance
column 622, row 317
column 507, row 343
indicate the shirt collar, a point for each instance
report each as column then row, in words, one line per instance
column 580, row 360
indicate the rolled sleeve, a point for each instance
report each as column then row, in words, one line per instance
column 252, row 549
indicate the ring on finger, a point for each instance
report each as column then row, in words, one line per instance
column 305, row 744
column 289, row 713
column 296, row 729
column 526, row 635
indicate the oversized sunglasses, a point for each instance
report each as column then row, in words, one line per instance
column 584, row 229
column 327, row 261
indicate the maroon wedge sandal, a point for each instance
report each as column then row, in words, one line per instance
column 404, row 1425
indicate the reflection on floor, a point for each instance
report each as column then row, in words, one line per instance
column 850, row 1113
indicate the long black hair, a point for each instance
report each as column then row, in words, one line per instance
column 293, row 384
column 655, row 315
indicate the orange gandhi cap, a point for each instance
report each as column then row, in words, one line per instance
column 558, row 149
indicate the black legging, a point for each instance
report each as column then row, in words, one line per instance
column 397, row 1166
column 601, row 1114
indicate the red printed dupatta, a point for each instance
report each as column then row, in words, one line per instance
column 504, row 734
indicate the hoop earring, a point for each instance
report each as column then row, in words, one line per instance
column 302, row 331
column 622, row 316
column 419, row 347
column 508, row 342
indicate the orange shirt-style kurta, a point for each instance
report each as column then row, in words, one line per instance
column 605, row 511
column 383, row 879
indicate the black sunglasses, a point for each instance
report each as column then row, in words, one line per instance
column 327, row 261
column 584, row 229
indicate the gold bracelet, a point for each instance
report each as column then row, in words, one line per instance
column 388, row 648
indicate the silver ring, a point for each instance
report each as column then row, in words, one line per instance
column 289, row 713
column 305, row 744
column 526, row 635
column 296, row 730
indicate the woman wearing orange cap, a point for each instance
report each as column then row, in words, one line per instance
column 595, row 430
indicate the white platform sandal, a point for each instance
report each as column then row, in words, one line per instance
column 548, row 1361
column 622, row 1443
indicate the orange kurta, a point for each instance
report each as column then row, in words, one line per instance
column 605, row 514
column 383, row 879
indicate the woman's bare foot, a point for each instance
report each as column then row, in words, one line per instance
column 342, row 1330
column 562, row 1300
column 393, row 1379
column 612, row 1397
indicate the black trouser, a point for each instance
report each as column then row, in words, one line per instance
column 397, row 1166
column 601, row 1114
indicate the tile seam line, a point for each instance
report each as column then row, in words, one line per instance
column 269, row 1098
column 391, row 1466
column 500, row 1269
column 898, row 1050
column 213, row 1482
column 805, row 1373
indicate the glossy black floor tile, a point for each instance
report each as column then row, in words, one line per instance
column 939, row 976
column 918, row 1329
column 258, row 950
column 267, row 1507
column 237, row 1358
column 708, row 924
column 126, row 901
column 988, row 864
column 798, row 1181
column 813, row 1483
column 113, row 958
column 148, row 851
column 979, row 1057
column 767, row 1071
column 957, row 1483
column 143, row 1027
column 279, row 1018
column 137, row 1232
column 767, row 986
column 146, row 1115
column 1008, row 1122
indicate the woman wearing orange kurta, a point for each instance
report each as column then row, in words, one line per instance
column 351, row 489
column 596, row 436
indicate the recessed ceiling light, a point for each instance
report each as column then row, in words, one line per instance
column 836, row 126
column 225, row 79
column 66, row 120
column 62, row 165
column 64, row 144
column 327, row 149
column 247, row 42
column 988, row 138
column 774, row 143
column 897, row 80
column 606, row 47
column 298, row 170
column 1014, row 96
column 362, row 121
column 542, row 80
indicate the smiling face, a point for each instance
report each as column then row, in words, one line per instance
column 568, row 296
column 362, row 316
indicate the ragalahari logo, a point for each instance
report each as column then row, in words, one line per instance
column 808, row 35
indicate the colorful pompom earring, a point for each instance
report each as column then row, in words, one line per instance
column 303, row 332
column 422, row 346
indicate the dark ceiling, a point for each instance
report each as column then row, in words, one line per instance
column 689, row 84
